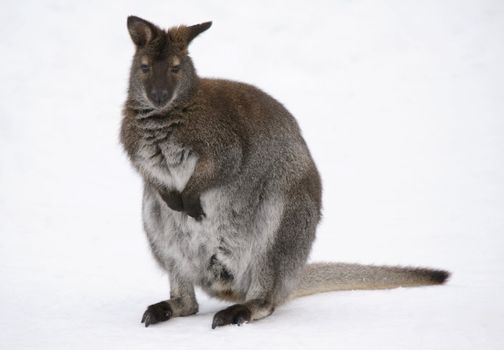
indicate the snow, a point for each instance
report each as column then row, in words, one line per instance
column 401, row 103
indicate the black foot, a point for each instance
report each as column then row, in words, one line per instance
column 192, row 206
column 173, row 199
column 236, row 314
column 157, row 313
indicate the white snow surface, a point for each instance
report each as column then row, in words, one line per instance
column 401, row 103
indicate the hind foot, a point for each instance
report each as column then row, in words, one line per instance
column 236, row 314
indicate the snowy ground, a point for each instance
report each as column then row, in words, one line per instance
column 401, row 103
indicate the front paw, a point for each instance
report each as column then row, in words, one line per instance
column 173, row 200
column 157, row 313
column 192, row 206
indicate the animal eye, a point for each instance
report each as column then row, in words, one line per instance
column 144, row 68
column 175, row 69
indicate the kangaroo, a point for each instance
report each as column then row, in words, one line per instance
column 232, row 196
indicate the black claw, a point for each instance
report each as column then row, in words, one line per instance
column 147, row 320
column 200, row 217
column 157, row 313
column 216, row 323
column 192, row 206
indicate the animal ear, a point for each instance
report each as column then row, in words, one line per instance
column 182, row 36
column 141, row 31
column 196, row 30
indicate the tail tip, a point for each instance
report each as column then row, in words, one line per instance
column 439, row 276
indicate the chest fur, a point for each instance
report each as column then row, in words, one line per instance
column 167, row 163
column 217, row 253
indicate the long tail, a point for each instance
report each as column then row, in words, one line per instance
column 328, row 277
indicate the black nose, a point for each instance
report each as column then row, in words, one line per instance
column 159, row 97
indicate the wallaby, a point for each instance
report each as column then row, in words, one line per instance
column 232, row 196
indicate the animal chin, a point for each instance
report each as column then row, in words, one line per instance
column 168, row 104
column 151, row 109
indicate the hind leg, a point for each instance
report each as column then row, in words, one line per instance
column 240, row 313
column 275, row 273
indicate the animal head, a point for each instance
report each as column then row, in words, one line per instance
column 162, row 70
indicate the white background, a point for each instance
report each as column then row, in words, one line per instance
column 401, row 103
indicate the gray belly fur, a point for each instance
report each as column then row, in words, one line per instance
column 215, row 253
